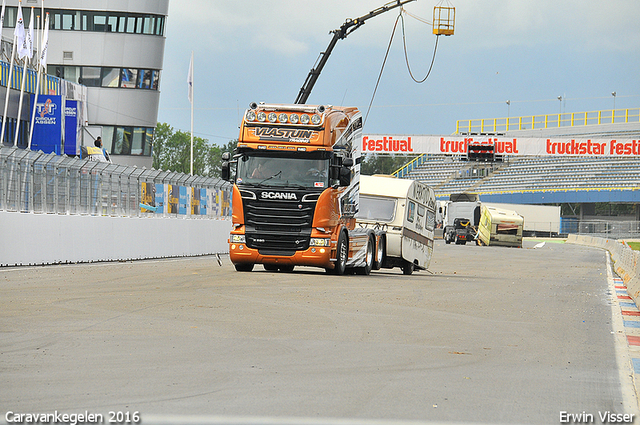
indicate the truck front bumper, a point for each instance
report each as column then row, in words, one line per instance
column 314, row 256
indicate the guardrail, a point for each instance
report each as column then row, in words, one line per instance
column 626, row 261
column 535, row 122
column 35, row 182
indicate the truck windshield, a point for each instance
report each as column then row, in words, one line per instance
column 283, row 171
column 376, row 208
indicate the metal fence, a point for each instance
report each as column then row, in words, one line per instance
column 612, row 229
column 47, row 183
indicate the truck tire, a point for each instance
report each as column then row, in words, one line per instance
column 342, row 255
column 368, row 259
column 270, row 267
column 286, row 269
column 244, row 267
column 407, row 267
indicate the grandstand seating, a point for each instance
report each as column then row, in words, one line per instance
column 526, row 174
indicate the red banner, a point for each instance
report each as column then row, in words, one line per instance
column 534, row 146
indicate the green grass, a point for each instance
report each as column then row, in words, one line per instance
column 634, row 245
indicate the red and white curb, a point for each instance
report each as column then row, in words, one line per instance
column 626, row 330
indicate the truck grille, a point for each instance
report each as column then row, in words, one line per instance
column 275, row 226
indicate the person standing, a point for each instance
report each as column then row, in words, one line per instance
column 98, row 144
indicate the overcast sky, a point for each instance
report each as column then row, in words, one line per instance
column 526, row 51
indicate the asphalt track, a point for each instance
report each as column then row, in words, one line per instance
column 489, row 335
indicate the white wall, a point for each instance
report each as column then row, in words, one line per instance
column 27, row 238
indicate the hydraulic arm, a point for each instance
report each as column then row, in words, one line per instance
column 347, row 28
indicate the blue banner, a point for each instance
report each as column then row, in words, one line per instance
column 47, row 130
column 160, row 204
column 203, row 201
column 71, row 134
column 183, row 203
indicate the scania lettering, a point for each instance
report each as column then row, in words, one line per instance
column 296, row 179
column 278, row 195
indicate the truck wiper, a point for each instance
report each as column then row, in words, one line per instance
column 269, row 178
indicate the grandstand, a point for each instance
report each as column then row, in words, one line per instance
column 544, row 179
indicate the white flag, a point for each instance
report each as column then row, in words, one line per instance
column 45, row 44
column 21, row 40
column 29, row 37
column 190, row 79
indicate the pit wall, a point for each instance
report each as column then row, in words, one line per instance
column 626, row 262
column 38, row 239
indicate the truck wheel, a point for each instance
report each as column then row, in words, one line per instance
column 286, row 269
column 270, row 267
column 407, row 267
column 244, row 267
column 342, row 254
column 381, row 252
column 368, row 259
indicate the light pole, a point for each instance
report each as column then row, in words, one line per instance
column 560, row 99
column 508, row 113
column 614, row 100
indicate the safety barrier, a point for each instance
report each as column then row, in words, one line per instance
column 535, row 122
column 47, row 183
column 57, row 209
column 625, row 260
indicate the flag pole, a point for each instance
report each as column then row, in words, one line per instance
column 6, row 99
column 191, row 99
column 28, row 50
column 42, row 60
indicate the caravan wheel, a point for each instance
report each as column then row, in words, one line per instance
column 407, row 267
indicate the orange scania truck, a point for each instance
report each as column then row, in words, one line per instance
column 296, row 177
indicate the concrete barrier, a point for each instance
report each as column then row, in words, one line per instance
column 625, row 260
column 34, row 239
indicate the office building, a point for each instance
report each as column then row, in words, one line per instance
column 115, row 48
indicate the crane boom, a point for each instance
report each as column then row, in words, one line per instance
column 347, row 28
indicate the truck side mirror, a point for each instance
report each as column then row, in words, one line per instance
column 345, row 176
column 225, row 171
column 226, row 156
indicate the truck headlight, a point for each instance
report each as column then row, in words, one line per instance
column 319, row 242
column 238, row 239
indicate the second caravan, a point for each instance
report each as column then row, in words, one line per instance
column 406, row 210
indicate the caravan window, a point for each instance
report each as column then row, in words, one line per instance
column 375, row 208
column 411, row 211
column 507, row 229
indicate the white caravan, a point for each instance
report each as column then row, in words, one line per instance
column 406, row 210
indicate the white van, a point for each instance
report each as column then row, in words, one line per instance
column 406, row 210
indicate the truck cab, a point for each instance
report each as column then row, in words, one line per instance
column 295, row 175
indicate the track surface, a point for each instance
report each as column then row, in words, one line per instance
column 491, row 335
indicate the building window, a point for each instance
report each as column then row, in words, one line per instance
column 110, row 77
column 137, row 145
column 121, row 22
column 129, row 78
column 131, row 24
column 72, row 73
column 91, row 76
column 84, row 20
column 128, row 140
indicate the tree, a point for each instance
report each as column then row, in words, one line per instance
column 383, row 164
column 172, row 152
